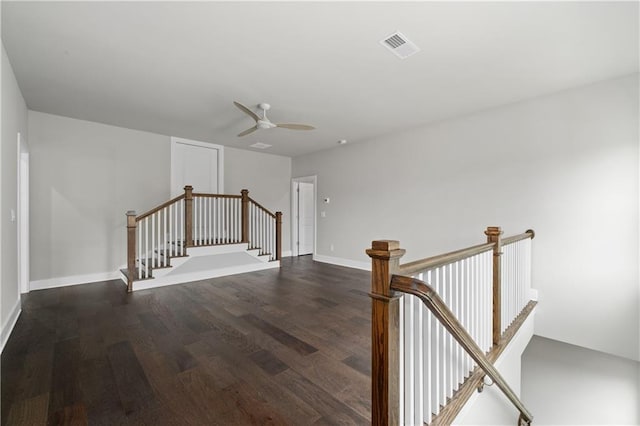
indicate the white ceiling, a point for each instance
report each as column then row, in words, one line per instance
column 175, row 68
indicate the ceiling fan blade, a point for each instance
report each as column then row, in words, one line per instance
column 296, row 126
column 246, row 110
column 246, row 132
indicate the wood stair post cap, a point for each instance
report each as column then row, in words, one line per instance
column 493, row 230
column 386, row 245
column 385, row 249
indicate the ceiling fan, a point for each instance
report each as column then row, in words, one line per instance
column 263, row 122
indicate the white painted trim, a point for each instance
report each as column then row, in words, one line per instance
column 23, row 214
column 219, row 249
column 287, row 253
column 533, row 294
column 175, row 140
column 73, row 280
column 202, row 275
column 294, row 218
column 294, row 199
column 356, row 264
column 7, row 327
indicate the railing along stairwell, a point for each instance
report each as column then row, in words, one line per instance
column 439, row 324
column 197, row 220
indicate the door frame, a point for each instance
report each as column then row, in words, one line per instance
column 175, row 141
column 23, row 214
column 294, row 213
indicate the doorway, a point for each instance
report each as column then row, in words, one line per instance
column 23, row 214
column 199, row 164
column 303, row 200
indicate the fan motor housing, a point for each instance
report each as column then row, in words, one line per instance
column 263, row 124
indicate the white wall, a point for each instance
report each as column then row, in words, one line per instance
column 565, row 165
column 569, row 385
column 84, row 177
column 14, row 120
column 268, row 179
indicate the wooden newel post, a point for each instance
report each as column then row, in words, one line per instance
column 493, row 234
column 385, row 310
column 245, row 215
column 188, row 216
column 131, row 248
column 278, row 235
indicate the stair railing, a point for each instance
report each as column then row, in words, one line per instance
column 198, row 219
column 265, row 229
column 429, row 340
column 217, row 219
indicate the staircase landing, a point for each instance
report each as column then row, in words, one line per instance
column 204, row 263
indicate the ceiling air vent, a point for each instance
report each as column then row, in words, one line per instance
column 260, row 145
column 399, row 44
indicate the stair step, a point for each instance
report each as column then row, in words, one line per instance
column 125, row 271
column 207, row 243
column 155, row 262
column 170, row 253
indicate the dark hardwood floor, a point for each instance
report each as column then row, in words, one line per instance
column 288, row 346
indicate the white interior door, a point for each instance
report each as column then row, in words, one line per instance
column 198, row 164
column 306, row 218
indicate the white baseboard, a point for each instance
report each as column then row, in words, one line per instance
column 73, row 280
column 356, row 264
column 7, row 327
column 287, row 253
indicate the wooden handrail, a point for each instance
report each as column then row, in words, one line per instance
column 421, row 265
column 207, row 195
column 180, row 197
column 529, row 233
column 442, row 259
column 440, row 310
column 262, row 208
column 160, row 207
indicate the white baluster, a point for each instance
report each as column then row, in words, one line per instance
column 139, row 247
column 146, row 247
column 230, row 220
column 459, row 304
column 182, row 232
column 238, row 219
column 264, row 226
column 214, row 220
column 210, row 221
column 171, row 238
column 488, row 301
column 205, row 220
column 419, row 360
column 427, row 369
column 401, row 354
column 409, row 353
column 153, row 238
column 163, row 253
